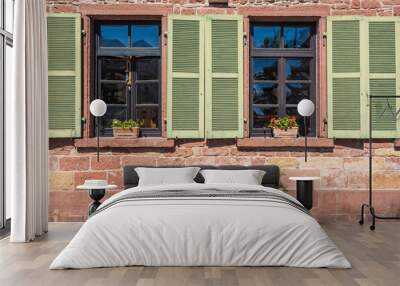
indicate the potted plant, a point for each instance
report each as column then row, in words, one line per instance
column 125, row 129
column 284, row 127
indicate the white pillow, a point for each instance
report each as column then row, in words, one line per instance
column 248, row 177
column 166, row 176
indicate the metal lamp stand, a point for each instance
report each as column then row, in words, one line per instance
column 370, row 203
column 305, row 138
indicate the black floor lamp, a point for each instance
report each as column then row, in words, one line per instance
column 98, row 108
column 305, row 108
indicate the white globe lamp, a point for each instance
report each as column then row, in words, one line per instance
column 305, row 108
column 98, row 108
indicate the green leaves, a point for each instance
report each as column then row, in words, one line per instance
column 127, row 124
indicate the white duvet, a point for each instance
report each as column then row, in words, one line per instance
column 200, row 231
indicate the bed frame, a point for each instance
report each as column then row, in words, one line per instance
column 270, row 179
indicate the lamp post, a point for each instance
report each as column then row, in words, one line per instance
column 305, row 108
column 98, row 108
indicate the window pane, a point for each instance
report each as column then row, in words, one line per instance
column 147, row 93
column 262, row 115
column 113, row 112
column 297, row 69
column 146, row 36
column 292, row 111
column 297, row 37
column 265, row 93
column 265, row 69
column 147, row 69
column 113, row 93
column 114, row 69
column 266, row 36
column 295, row 92
column 9, row 14
column 114, row 35
column 148, row 116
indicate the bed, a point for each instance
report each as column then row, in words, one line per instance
column 197, row 224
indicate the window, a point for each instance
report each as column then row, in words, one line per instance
column 6, row 44
column 128, row 64
column 282, row 72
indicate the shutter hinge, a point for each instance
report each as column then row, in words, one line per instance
column 83, row 33
column 83, row 120
column 245, row 39
column 165, row 38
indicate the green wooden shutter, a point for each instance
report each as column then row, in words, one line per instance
column 64, row 66
column 224, row 76
column 345, row 66
column 383, row 71
column 185, row 105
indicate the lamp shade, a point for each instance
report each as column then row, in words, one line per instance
column 305, row 107
column 98, row 108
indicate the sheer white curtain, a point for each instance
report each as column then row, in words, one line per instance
column 26, row 121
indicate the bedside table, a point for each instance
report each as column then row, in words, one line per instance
column 304, row 190
column 97, row 190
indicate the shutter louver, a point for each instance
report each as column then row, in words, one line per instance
column 224, row 77
column 185, row 106
column 382, row 77
column 354, row 73
column 64, row 60
column 344, row 79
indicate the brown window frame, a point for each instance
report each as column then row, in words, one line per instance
column 282, row 54
column 140, row 54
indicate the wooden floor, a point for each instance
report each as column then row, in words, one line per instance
column 375, row 257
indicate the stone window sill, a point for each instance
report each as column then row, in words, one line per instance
column 267, row 142
column 125, row 143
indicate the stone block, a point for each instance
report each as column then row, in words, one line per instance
column 322, row 163
column 333, row 179
column 362, row 163
column 284, row 162
column 105, row 162
column 74, row 163
column 61, row 181
column 139, row 160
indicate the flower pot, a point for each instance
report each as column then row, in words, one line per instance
column 289, row 133
column 126, row 133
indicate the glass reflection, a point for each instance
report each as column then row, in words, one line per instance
column 114, row 69
column 113, row 93
column 297, row 37
column 295, row 92
column 113, row 35
column 265, row 93
column 145, row 36
column 147, row 69
column 266, row 36
column 265, row 69
column 262, row 115
column 148, row 115
column 297, row 69
column 147, row 93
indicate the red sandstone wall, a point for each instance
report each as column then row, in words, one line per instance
column 343, row 170
column 336, row 7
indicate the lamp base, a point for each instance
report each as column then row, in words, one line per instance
column 96, row 196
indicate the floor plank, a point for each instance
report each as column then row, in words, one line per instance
column 375, row 257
